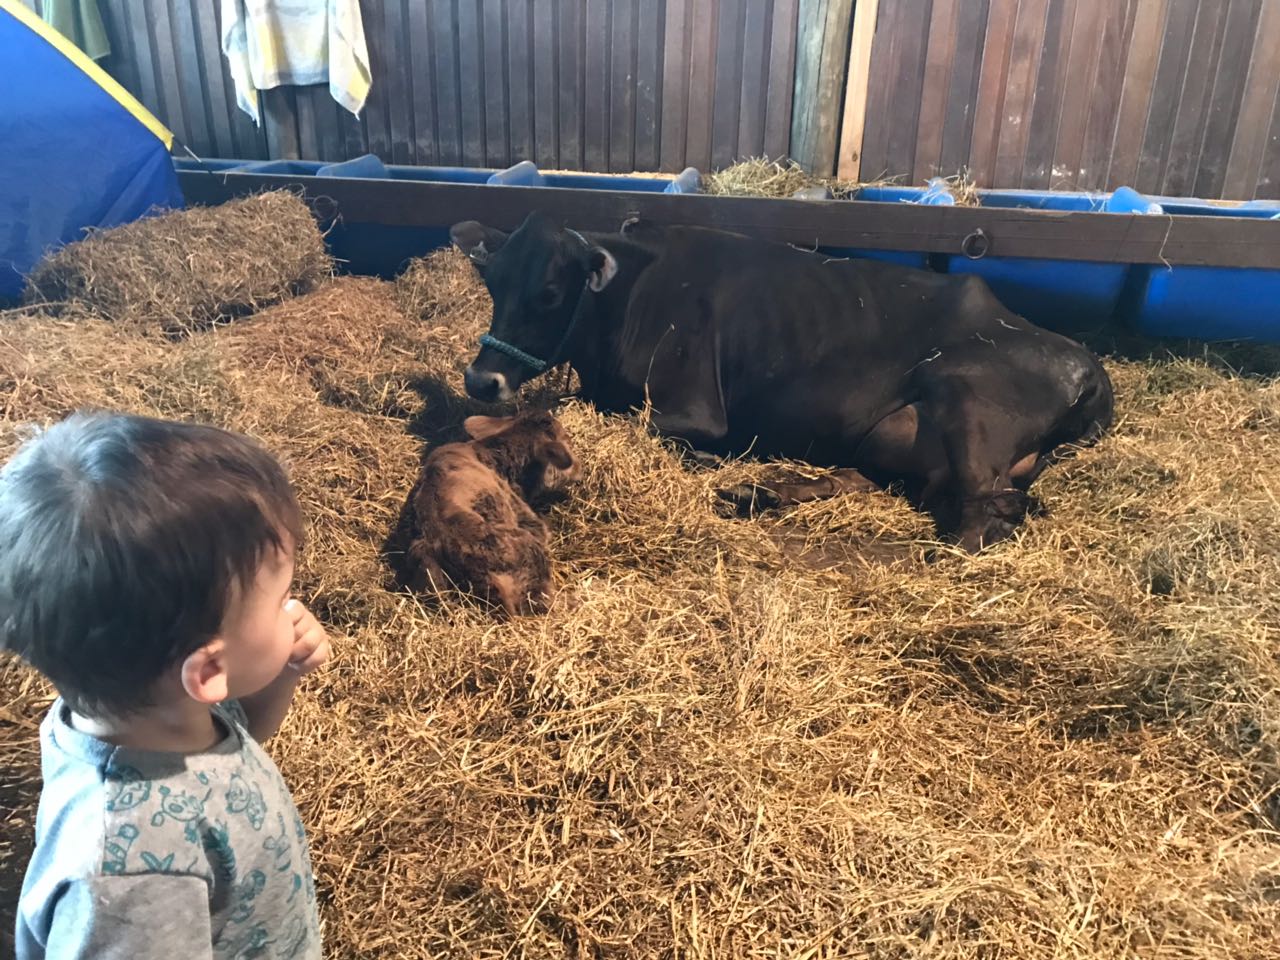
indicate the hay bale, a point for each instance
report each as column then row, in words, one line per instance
column 189, row 269
column 742, row 737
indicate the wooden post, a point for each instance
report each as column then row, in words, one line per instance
column 822, row 47
column 865, row 15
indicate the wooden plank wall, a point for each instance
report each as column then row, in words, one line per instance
column 1175, row 97
column 603, row 85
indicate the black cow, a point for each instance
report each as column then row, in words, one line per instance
column 900, row 376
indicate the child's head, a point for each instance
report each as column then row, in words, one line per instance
column 134, row 549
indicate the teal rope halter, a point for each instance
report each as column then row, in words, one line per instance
column 515, row 353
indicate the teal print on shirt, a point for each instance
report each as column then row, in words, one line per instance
column 279, row 847
column 116, row 849
column 183, row 807
column 247, row 799
column 246, row 893
column 250, row 944
column 217, row 846
column 294, row 940
column 126, row 788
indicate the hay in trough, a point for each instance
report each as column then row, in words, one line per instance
column 189, row 269
column 761, row 177
column 793, row 736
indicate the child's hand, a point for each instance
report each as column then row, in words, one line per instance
column 310, row 642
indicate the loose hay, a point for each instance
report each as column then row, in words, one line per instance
column 189, row 269
column 761, row 177
column 739, row 739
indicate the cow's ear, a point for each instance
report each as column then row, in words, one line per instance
column 477, row 241
column 481, row 428
column 603, row 267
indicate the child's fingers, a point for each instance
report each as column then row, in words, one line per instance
column 310, row 652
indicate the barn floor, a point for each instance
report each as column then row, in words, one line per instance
column 786, row 737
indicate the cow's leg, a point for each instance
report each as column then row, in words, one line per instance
column 425, row 575
column 748, row 499
column 906, row 445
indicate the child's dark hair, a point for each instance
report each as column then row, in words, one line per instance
column 121, row 538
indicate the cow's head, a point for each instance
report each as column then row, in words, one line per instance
column 536, row 277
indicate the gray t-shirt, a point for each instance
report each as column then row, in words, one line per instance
column 148, row 855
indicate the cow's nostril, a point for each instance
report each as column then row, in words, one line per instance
column 480, row 386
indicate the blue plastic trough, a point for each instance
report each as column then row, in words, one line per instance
column 1216, row 302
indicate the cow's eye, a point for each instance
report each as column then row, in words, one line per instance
column 549, row 297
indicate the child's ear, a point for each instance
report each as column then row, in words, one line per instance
column 204, row 673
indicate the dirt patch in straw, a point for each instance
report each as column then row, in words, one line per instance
column 1064, row 747
column 189, row 269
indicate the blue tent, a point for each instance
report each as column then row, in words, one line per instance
column 76, row 149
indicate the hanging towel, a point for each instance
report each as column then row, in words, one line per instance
column 80, row 21
column 272, row 43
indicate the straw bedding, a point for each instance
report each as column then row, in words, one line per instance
column 787, row 737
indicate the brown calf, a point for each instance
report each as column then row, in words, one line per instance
column 473, row 527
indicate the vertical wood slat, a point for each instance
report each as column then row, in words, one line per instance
column 621, row 103
column 1253, row 129
column 988, row 113
column 544, row 46
column 497, row 144
column 1104, row 105
column 726, row 101
column 757, row 18
column 1080, row 89
column 422, row 88
column 1225, row 101
column 857, row 89
column 957, row 130
column 520, row 84
column 572, row 70
column 1137, row 88
column 782, row 56
column 1171, row 72
column 377, row 109
column 1187, row 138
column 595, row 99
column 939, row 57
column 648, row 85
column 1024, row 64
column 469, row 40
column 1268, row 183
column 1046, row 106
column 448, row 98
column 397, row 79
column 675, row 84
column 702, row 71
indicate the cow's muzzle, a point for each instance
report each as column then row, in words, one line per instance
column 487, row 386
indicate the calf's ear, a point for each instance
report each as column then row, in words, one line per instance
column 481, row 428
column 603, row 268
column 477, row 241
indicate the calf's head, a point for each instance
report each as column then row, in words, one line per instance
column 536, row 277
column 524, row 447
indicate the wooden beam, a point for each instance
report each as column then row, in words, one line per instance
column 1043, row 234
column 865, row 15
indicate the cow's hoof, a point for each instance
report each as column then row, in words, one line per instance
column 704, row 460
column 749, row 499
